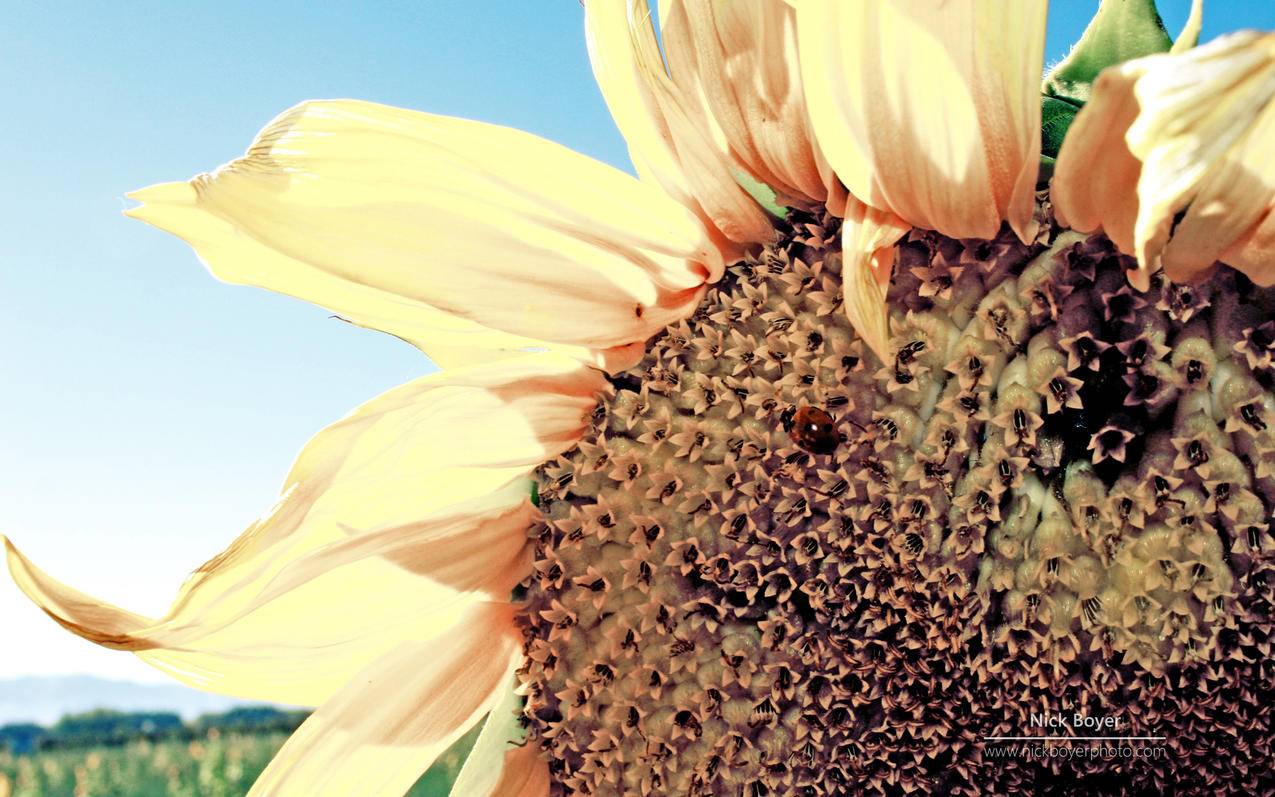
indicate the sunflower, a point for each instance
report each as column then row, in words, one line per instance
column 900, row 399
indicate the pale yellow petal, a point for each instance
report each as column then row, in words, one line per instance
column 391, row 522
column 1095, row 182
column 929, row 110
column 1193, row 108
column 500, row 763
column 398, row 219
column 376, row 736
column 236, row 257
column 1254, row 251
column 868, row 236
column 670, row 141
column 837, row 195
column 1197, row 128
column 1232, row 216
column 1189, row 36
column 741, row 59
column 630, row 100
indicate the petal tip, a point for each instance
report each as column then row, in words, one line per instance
column 152, row 197
column 1139, row 278
column 17, row 562
column 865, row 306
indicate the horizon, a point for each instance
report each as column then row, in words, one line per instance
column 43, row 700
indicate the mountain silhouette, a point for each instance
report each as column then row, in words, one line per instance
column 44, row 700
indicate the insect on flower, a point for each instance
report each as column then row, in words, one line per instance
column 811, row 428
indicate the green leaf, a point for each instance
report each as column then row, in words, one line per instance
column 762, row 193
column 1056, row 115
column 535, row 493
column 1120, row 31
column 438, row 779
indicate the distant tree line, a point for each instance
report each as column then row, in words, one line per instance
column 106, row 727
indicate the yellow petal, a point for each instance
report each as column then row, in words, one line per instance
column 448, row 340
column 431, row 227
column 377, row 735
column 929, row 110
column 391, row 522
column 1189, row 36
column 500, row 764
column 1187, row 131
column 1232, row 216
column 630, row 100
column 741, row 59
column 1096, row 177
column 868, row 236
column 670, row 141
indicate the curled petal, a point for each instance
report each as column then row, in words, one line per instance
column 1189, row 36
column 391, row 522
column 1186, row 133
column 929, row 110
column 456, row 235
column 1232, row 218
column 377, row 735
column 868, row 236
column 670, row 141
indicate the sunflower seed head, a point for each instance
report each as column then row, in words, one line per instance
column 778, row 566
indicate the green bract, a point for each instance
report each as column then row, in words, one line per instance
column 1120, row 31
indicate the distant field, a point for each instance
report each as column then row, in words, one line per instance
column 216, row 765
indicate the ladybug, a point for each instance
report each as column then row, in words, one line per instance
column 811, row 428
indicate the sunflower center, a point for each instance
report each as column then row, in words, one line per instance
column 778, row 566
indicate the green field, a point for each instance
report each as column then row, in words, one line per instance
column 215, row 765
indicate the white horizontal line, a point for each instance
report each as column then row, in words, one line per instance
column 1069, row 738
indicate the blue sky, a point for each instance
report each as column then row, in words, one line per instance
column 148, row 412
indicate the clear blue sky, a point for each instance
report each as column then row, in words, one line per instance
column 148, row 412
